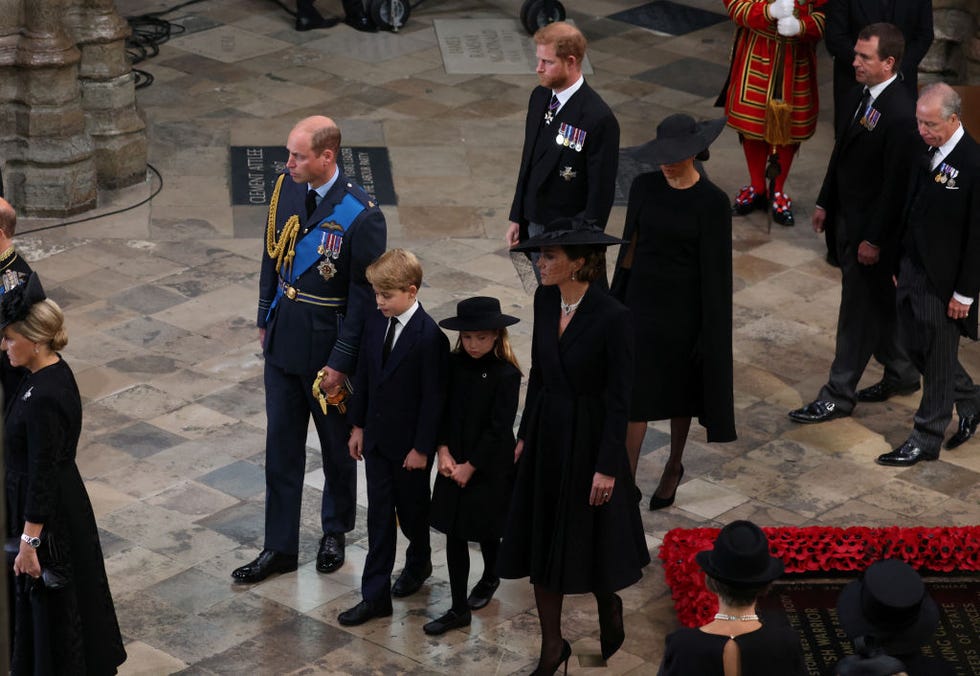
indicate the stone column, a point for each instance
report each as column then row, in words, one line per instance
column 955, row 53
column 68, row 120
column 108, row 93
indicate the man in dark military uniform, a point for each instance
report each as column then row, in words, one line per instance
column 14, row 271
column 323, row 232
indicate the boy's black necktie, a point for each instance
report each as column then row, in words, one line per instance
column 389, row 340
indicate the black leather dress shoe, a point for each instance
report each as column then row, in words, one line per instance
column 410, row 581
column 451, row 620
column 968, row 427
column 482, row 593
column 267, row 563
column 905, row 455
column 364, row 611
column 817, row 412
column 882, row 391
column 311, row 19
column 330, row 557
column 361, row 23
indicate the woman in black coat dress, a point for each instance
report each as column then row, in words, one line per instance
column 63, row 617
column 571, row 527
column 675, row 276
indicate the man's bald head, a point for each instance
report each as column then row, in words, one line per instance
column 324, row 133
column 8, row 218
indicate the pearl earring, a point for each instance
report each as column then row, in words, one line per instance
column 573, row 275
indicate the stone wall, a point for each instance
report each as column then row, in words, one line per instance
column 68, row 118
column 955, row 53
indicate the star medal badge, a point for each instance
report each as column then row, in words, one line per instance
column 567, row 173
column 549, row 117
column 327, row 269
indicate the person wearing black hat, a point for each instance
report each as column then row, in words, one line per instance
column 476, row 452
column 675, row 275
column 738, row 569
column 63, row 617
column 889, row 616
column 574, row 526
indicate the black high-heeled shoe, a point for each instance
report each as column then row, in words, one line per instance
column 566, row 654
column 611, row 631
column 659, row 503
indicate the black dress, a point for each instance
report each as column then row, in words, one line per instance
column 768, row 651
column 478, row 427
column 679, row 289
column 574, row 425
column 72, row 630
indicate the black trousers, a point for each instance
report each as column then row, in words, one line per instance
column 866, row 326
column 289, row 404
column 933, row 341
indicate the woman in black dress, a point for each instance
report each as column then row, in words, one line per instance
column 675, row 275
column 738, row 570
column 63, row 618
column 571, row 528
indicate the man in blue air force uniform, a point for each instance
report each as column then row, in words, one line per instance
column 323, row 231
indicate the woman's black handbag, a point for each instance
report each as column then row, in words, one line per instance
column 55, row 576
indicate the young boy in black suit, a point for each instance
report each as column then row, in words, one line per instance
column 399, row 388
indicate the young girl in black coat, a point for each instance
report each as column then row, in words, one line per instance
column 476, row 452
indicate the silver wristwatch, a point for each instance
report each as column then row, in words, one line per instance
column 33, row 542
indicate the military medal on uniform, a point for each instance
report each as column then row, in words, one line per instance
column 331, row 241
column 947, row 175
column 870, row 119
column 567, row 173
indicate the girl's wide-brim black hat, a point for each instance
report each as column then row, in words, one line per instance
column 481, row 313
column 679, row 137
column 740, row 557
column 16, row 303
column 568, row 232
column 890, row 603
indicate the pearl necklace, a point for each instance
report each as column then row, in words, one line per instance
column 736, row 618
column 569, row 308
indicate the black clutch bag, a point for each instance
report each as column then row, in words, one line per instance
column 54, row 575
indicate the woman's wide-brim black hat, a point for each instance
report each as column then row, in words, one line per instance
column 679, row 137
column 16, row 303
column 889, row 603
column 740, row 557
column 481, row 313
column 568, row 232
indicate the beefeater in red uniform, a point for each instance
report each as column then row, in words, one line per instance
column 773, row 69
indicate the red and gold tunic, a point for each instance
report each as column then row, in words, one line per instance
column 754, row 58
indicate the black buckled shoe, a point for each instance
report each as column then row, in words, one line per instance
column 748, row 200
column 410, row 581
column 817, row 412
column 905, row 455
column 482, row 593
column 330, row 556
column 307, row 18
column 782, row 210
column 268, row 563
column 364, row 611
column 968, row 427
column 451, row 620
column 882, row 391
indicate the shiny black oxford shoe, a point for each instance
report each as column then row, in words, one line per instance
column 268, row 563
column 882, row 391
column 364, row 611
column 817, row 412
column 451, row 620
column 968, row 427
column 410, row 581
column 482, row 592
column 330, row 556
column 905, row 455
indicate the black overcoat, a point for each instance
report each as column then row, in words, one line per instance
column 478, row 427
column 574, row 425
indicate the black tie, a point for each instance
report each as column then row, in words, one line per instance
column 862, row 106
column 310, row 202
column 928, row 158
column 389, row 340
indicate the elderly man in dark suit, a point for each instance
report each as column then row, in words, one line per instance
column 865, row 187
column 939, row 276
column 323, row 232
column 571, row 142
column 846, row 18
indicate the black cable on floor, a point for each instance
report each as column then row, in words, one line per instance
column 109, row 213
